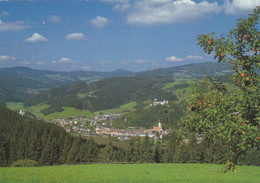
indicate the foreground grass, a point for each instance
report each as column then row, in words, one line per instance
column 130, row 173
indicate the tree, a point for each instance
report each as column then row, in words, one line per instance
column 158, row 152
column 146, row 150
column 171, row 147
column 193, row 150
column 3, row 149
column 215, row 112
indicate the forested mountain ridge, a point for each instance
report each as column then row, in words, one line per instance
column 17, row 84
column 195, row 70
column 112, row 92
column 61, row 76
column 18, row 89
column 22, row 137
column 104, row 94
column 24, row 82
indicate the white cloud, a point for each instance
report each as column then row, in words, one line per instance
column 5, row 58
column 36, row 38
column 13, row 26
column 122, row 7
column 240, row 6
column 65, row 60
column 194, row 57
column 99, row 22
column 189, row 57
column 55, row 19
column 139, row 61
column 75, row 36
column 152, row 12
column 174, row 59
column 40, row 63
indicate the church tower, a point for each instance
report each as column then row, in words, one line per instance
column 159, row 123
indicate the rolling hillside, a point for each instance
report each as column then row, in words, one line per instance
column 103, row 94
column 17, row 84
column 113, row 92
column 196, row 70
column 18, row 89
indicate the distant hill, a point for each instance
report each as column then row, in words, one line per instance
column 20, row 83
column 54, row 78
column 196, row 70
column 17, row 84
column 113, row 92
column 18, row 89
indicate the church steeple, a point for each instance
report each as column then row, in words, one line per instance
column 159, row 123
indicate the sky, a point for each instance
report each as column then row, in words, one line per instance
column 106, row 35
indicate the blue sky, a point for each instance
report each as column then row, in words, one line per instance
column 105, row 35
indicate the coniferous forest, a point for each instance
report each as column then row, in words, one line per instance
column 47, row 144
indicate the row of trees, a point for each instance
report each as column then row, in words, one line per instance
column 175, row 150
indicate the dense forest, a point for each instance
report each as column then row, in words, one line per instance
column 47, row 144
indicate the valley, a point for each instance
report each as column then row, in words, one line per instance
column 121, row 107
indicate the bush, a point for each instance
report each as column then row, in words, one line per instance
column 25, row 163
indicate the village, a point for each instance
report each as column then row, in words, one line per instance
column 102, row 125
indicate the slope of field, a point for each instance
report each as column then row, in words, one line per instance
column 131, row 173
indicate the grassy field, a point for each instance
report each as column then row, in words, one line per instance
column 36, row 110
column 122, row 108
column 69, row 112
column 130, row 173
column 181, row 93
column 15, row 106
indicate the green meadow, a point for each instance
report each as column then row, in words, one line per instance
column 194, row 173
column 122, row 108
column 69, row 112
